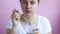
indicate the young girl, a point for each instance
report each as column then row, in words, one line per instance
column 28, row 22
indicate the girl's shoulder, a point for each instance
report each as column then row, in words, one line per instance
column 44, row 23
column 42, row 18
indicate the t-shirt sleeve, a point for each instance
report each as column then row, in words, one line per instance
column 47, row 26
column 9, row 25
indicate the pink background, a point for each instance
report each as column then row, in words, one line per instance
column 47, row 8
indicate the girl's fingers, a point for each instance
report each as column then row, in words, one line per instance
column 36, row 31
column 15, row 15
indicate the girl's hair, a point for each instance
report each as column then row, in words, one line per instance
column 38, row 0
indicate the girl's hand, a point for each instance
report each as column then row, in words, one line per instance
column 15, row 17
column 36, row 31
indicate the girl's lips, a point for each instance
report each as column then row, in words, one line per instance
column 28, row 11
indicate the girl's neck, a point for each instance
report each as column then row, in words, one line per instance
column 30, row 18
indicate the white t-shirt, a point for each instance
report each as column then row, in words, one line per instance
column 43, row 24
